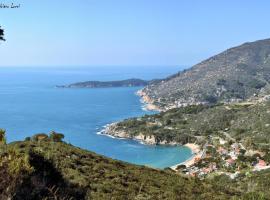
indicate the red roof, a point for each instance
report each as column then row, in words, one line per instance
column 261, row 163
column 230, row 161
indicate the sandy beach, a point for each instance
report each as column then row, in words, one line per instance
column 194, row 147
column 196, row 153
column 145, row 99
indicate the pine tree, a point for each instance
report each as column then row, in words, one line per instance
column 2, row 136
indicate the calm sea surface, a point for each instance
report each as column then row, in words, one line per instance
column 30, row 103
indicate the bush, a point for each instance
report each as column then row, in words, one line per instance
column 2, row 136
column 56, row 137
column 39, row 137
column 211, row 99
column 255, row 83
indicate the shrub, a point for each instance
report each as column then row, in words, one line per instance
column 56, row 137
column 2, row 136
column 39, row 137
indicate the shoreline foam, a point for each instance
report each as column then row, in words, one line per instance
column 147, row 101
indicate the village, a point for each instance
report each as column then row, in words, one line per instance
column 222, row 156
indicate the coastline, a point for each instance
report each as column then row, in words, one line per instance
column 196, row 153
column 193, row 147
column 148, row 102
column 109, row 130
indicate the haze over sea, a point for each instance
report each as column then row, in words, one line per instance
column 30, row 103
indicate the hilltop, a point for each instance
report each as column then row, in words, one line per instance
column 234, row 75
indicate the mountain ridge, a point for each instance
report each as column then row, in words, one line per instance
column 233, row 75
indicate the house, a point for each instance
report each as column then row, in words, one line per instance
column 206, row 170
column 213, row 166
column 229, row 162
column 261, row 163
column 222, row 151
column 197, row 159
column 235, row 146
column 233, row 155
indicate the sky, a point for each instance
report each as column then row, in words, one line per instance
column 127, row 32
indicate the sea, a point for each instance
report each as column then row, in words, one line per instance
column 31, row 103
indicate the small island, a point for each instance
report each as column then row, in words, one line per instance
column 107, row 84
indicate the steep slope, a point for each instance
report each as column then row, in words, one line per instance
column 55, row 170
column 233, row 75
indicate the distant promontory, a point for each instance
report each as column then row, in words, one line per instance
column 107, row 84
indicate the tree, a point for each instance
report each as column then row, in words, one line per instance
column 2, row 136
column 248, row 142
column 2, row 34
column 56, row 137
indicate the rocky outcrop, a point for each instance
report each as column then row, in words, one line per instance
column 114, row 131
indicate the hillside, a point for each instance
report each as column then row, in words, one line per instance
column 231, row 76
column 106, row 84
column 195, row 123
column 45, row 169
column 233, row 139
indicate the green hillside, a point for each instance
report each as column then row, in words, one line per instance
column 242, row 121
column 56, row 170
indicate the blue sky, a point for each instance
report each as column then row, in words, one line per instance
column 127, row 32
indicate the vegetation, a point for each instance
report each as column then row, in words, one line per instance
column 236, row 74
column 2, row 34
column 56, row 170
column 246, row 122
column 45, row 167
column 56, row 137
column 104, row 84
column 2, row 136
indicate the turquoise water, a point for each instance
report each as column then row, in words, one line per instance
column 30, row 103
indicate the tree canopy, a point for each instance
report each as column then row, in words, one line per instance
column 2, row 34
column 56, row 137
column 2, row 136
